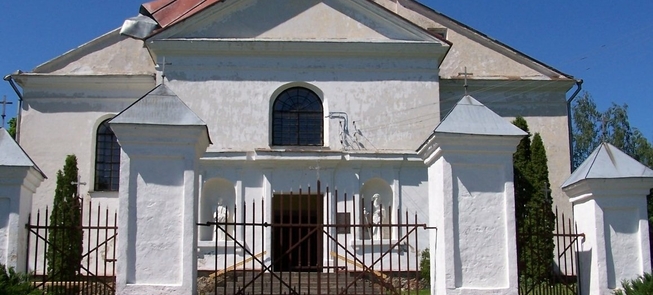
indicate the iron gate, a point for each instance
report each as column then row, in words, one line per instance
column 562, row 276
column 96, row 272
column 311, row 253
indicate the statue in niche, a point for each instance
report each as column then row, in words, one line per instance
column 377, row 218
column 220, row 215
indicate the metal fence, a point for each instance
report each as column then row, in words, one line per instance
column 95, row 274
column 301, row 248
column 561, row 274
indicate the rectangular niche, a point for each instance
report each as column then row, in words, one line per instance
column 622, row 244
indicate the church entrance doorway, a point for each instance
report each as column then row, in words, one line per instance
column 297, row 232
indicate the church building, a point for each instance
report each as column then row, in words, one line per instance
column 286, row 98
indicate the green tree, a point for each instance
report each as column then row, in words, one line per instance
column 592, row 127
column 425, row 265
column 642, row 149
column 533, row 207
column 12, row 128
column 65, row 246
column 540, row 219
column 586, row 131
column 521, row 159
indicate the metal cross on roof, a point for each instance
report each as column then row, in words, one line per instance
column 163, row 69
column 604, row 127
column 4, row 103
column 465, row 74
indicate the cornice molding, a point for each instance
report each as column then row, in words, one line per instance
column 259, row 47
column 48, row 86
column 108, row 81
column 534, row 84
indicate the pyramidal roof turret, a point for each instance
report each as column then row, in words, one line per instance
column 469, row 116
column 160, row 106
column 608, row 162
column 12, row 155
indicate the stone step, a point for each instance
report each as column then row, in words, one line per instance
column 295, row 283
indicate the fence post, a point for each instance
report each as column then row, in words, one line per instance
column 161, row 141
column 471, row 202
column 608, row 192
column 19, row 178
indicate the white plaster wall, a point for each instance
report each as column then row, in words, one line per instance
column 260, row 182
column 591, row 252
column 468, row 50
column 163, row 216
column 60, row 122
column 542, row 104
column 441, row 242
column 624, row 261
column 17, row 185
column 612, row 215
column 394, row 103
column 625, row 234
column 479, row 227
column 158, row 208
column 110, row 53
column 471, row 202
column 5, row 205
column 328, row 20
column 543, row 107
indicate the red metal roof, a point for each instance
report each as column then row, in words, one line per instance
column 170, row 12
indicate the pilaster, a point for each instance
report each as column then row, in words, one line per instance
column 19, row 179
column 608, row 192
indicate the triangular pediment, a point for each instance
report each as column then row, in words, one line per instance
column 110, row 53
column 482, row 55
column 342, row 20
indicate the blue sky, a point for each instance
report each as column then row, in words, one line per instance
column 608, row 44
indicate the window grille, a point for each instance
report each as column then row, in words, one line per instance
column 107, row 159
column 297, row 118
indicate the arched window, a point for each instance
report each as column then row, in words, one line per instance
column 107, row 159
column 297, row 118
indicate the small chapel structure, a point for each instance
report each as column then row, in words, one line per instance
column 195, row 110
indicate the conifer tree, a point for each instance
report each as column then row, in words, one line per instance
column 521, row 159
column 522, row 187
column 65, row 244
column 533, row 207
column 540, row 219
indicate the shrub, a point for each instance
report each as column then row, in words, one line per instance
column 14, row 283
column 425, row 265
column 640, row 286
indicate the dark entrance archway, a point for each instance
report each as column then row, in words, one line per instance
column 297, row 232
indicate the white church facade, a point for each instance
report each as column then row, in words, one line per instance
column 239, row 105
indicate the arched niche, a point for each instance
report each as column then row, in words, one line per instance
column 218, row 198
column 376, row 206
